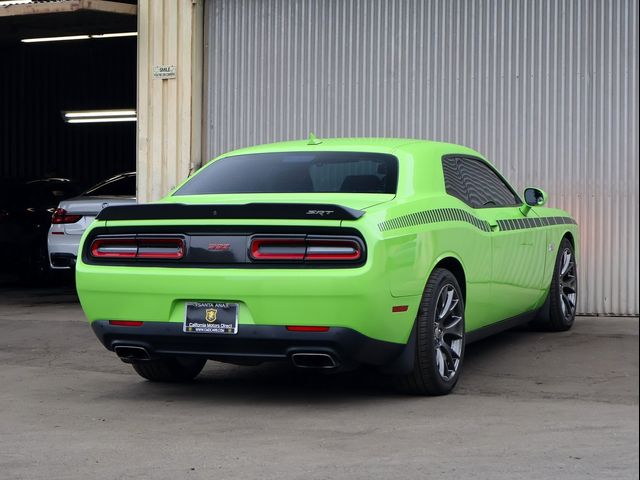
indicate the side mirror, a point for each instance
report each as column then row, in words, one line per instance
column 533, row 197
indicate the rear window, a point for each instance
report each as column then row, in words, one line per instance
column 297, row 172
column 115, row 187
column 49, row 193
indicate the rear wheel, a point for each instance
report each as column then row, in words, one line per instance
column 440, row 337
column 172, row 369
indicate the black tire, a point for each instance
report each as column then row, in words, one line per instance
column 171, row 369
column 563, row 293
column 38, row 272
column 437, row 373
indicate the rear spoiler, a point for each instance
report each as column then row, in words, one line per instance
column 175, row 211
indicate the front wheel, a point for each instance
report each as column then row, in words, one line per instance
column 171, row 369
column 440, row 337
column 563, row 294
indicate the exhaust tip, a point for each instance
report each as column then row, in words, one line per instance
column 129, row 353
column 313, row 360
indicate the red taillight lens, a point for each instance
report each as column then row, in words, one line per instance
column 278, row 248
column 60, row 215
column 304, row 328
column 309, row 248
column 126, row 323
column 142, row 247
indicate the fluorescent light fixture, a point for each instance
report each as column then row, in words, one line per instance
column 102, row 120
column 99, row 116
column 99, row 113
column 55, row 39
column 14, row 2
column 115, row 35
column 79, row 37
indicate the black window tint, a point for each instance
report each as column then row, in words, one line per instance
column 49, row 194
column 10, row 193
column 119, row 187
column 484, row 187
column 452, row 179
column 297, row 172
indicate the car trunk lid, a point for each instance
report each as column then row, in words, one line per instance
column 88, row 207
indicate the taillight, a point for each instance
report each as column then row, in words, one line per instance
column 114, row 248
column 153, row 248
column 161, row 248
column 60, row 215
column 306, row 249
column 278, row 248
column 328, row 250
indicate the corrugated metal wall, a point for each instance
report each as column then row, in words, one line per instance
column 546, row 89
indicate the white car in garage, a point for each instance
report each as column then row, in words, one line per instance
column 73, row 216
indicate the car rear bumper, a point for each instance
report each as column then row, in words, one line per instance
column 357, row 299
column 63, row 250
column 62, row 261
column 252, row 343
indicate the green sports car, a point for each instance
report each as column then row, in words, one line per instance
column 392, row 253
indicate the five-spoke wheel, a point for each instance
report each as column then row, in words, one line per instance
column 568, row 283
column 563, row 292
column 448, row 332
column 439, row 337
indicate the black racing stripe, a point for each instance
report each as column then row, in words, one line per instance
column 526, row 223
column 436, row 215
column 441, row 215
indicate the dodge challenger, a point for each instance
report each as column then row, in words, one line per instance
column 328, row 254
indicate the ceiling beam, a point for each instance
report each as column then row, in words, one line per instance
column 68, row 6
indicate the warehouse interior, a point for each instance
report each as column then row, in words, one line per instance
column 39, row 80
column 68, row 117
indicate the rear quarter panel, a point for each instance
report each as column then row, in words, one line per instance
column 419, row 234
column 424, row 225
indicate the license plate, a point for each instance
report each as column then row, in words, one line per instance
column 211, row 317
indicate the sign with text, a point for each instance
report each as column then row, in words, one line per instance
column 164, row 72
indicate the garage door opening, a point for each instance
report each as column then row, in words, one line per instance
column 68, row 116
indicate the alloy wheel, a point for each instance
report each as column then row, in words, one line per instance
column 568, row 285
column 448, row 332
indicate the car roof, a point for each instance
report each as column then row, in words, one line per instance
column 49, row 180
column 363, row 144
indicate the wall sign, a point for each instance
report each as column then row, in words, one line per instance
column 164, row 72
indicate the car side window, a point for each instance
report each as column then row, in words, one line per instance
column 453, row 182
column 484, row 188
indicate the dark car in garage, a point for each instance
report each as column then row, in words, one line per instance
column 25, row 217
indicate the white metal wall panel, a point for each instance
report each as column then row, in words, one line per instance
column 546, row 89
column 169, row 110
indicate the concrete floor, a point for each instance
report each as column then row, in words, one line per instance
column 529, row 405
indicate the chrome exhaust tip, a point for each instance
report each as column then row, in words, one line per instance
column 128, row 353
column 313, row 360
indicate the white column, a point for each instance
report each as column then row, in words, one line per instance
column 169, row 110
